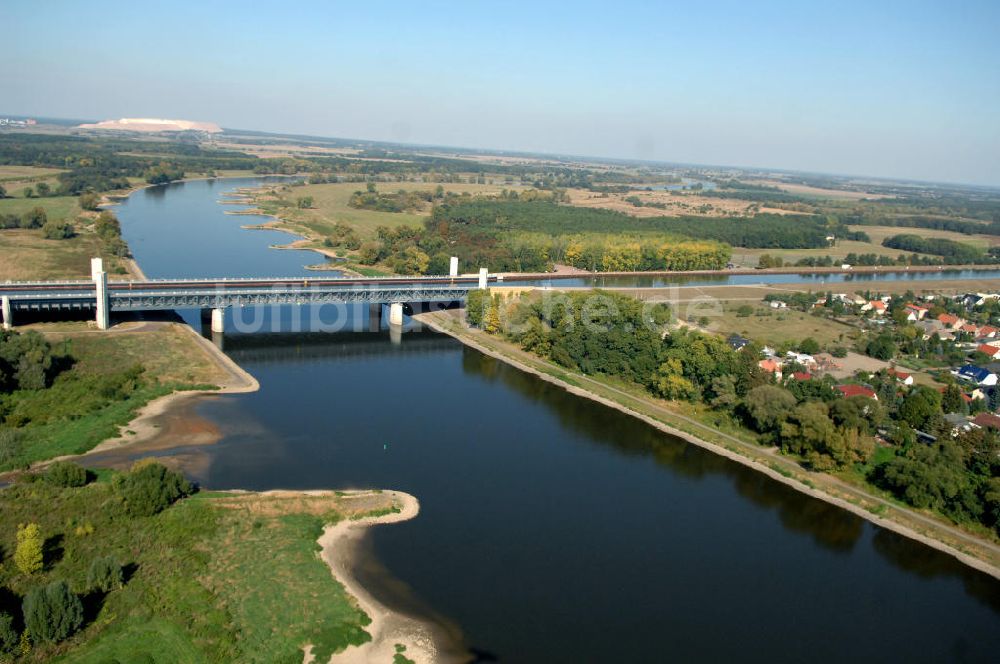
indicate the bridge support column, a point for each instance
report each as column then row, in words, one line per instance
column 218, row 321
column 8, row 317
column 396, row 314
column 483, row 276
column 100, row 278
column 374, row 317
column 396, row 335
column 453, row 267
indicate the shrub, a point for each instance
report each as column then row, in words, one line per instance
column 10, row 445
column 54, row 230
column 66, row 474
column 28, row 554
column 89, row 201
column 105, row 574
column 9, row 637
column 150, row 488
column 52, row 612
column 34, row 218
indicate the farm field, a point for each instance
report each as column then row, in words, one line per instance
column 16, row 179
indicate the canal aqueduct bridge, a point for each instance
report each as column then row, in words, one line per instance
column 102, row 297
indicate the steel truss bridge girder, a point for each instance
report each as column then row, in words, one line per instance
column 139, row 301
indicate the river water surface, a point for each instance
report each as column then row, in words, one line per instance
column 552, row 529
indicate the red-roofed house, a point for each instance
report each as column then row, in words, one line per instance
column 986, row 421
column 990, row 351
column 988, row 331
column 971, row 329
column 802, row 375
column 902, row 377
column 950, row 320
column 849, row 391
column 771, row 367
column 915, row 311
column 877, row 307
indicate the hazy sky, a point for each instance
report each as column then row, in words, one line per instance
column 908, row 89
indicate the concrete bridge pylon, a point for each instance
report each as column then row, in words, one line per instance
column 100, row 278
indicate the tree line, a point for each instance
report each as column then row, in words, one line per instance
column 484, row 215
column 950, row 250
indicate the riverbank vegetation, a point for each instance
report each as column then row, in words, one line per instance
column 603, row 333
column 68, row 390
column 133, row 567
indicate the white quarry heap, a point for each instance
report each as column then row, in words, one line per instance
column 154, row 125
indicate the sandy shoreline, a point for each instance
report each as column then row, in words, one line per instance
column 339, row 543
column 889, row 524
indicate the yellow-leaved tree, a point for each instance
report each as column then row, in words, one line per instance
column 28, row 554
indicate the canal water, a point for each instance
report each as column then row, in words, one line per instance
column 552, row 529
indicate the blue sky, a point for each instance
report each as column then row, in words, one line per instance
column 907, row 89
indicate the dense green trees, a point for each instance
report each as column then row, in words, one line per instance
column 105, row 574
column 26, row 361
column 56, row 230
column 90, row 201
column 66, row 474
column 150, row 488
column 52, row 613
column 8, row 634
column 955, row 252
column 764, row 230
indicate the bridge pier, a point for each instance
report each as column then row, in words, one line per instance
column 8, row 317
column 218, row 321
column 396, row 314
column 396, row 335
column 100, row 278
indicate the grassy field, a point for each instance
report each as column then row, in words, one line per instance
column 217, row 577
column 28, row 256
column 743, row 257
column 330, row 206
column 56, row 207
column 776, row 326
column 72, row 416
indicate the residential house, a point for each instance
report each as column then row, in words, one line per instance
column 805, row 359
column 902, row 377
column 969, row 328
column 915, row 312
column 801, row 375
column 950, row 321
column 778, row 304
column 986, row 421
column 771, row 366
column 931, row 327
column 977, row 375
column 848, row 391
column 877, row 307
column 990, row 351
column 736, row 342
